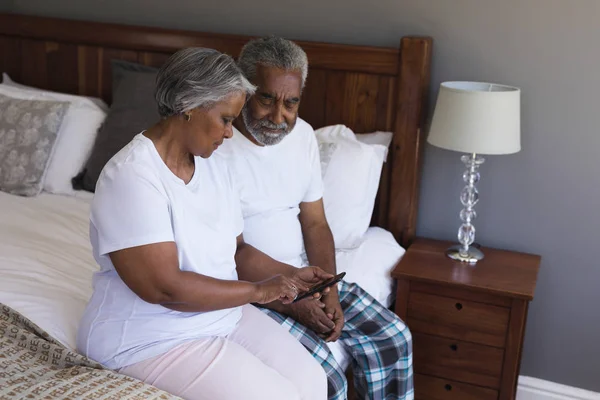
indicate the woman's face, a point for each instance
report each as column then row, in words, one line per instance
column 208, row 127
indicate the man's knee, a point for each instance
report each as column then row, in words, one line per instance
column 402, row 337
column 404, row 330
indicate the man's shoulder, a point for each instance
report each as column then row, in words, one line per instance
column 304, row 129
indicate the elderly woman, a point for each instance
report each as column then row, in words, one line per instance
column 165, row 227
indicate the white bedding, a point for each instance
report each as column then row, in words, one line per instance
column 46, row 262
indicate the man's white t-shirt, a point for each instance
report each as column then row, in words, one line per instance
column 139, row 201
column 273, row 181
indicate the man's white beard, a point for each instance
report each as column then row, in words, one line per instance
column 255, row 127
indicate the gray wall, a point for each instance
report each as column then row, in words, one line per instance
column 5, row 5
column 542, row 200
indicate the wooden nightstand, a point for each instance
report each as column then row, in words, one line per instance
column 467, row 321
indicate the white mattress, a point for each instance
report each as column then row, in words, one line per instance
column 46, row 262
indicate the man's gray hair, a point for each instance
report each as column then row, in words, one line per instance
column 197, row 77
column 273, row 52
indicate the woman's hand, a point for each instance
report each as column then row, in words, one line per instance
column 311, row 276
column 279, row 287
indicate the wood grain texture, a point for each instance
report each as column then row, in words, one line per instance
column 152, row 59
column 10, row 59
column 458, row 319
column 406, row 149
column 460, row 361
column 312, row 105
column 89, row 67
column 335, row 100
column 514, row 344
column 431, row 388
column 501, row 272
column 64, row 58
column 34, row 63
column 377, row 60
column 447, row 291
column 385, row 118
column 402, row 293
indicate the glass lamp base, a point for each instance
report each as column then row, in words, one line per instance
column 472, row 255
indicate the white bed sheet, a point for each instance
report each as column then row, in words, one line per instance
column 46, row 262
column 370, row 266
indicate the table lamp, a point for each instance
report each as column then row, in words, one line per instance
column 475, row 118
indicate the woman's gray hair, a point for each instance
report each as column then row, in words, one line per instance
column 197, row 77
column 273, row 52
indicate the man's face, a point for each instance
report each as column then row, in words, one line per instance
column 271, row 113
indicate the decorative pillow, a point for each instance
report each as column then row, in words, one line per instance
column 351, row 171
column 28, row 132
column 75, row 139
column 133, row 110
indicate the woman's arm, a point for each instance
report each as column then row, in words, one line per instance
column 254, row 265
column 152, row 272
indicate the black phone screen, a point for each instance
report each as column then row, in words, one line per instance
column 320, row 286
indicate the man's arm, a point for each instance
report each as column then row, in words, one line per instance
column 255, row 266
column 320, row 250
column 318, row 239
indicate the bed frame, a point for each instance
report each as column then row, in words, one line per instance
column 366, row 88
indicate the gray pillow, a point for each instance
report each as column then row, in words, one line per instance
column 28, row 131
column 133, row 110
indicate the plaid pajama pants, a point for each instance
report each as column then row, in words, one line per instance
column 378, row 342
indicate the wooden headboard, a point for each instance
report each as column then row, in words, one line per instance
column 365, row 88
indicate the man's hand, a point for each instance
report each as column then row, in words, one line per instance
column 333, row 310
column 310, row 313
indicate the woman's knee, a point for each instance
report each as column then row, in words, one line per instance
column 282, row 388
column 312, row 384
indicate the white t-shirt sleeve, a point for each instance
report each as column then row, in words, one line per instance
column 129, row 210
column 314, row 191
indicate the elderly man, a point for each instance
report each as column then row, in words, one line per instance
column 274, row 159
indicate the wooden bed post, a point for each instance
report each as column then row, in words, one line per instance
column 405, row 153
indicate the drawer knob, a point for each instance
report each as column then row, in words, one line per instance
column 458, row 306
column 453, row 347
column 448, row 387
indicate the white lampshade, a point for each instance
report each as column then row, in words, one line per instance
column 476, row 117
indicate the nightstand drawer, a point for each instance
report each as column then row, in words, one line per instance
column 430, row 388
column 458, row 319
column 456, row 360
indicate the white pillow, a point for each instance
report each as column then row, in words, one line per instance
column 371, row 264
column 351, row 170
column 9, row 82
column 75, row 138
column 381, row 138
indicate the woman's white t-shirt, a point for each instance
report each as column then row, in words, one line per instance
column 139, row 201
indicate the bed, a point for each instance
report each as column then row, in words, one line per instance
column 45, row 256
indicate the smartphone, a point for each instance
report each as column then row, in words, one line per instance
column 320, row 286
